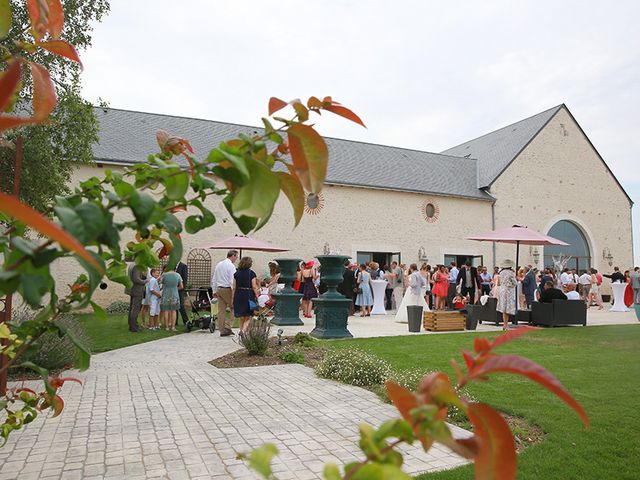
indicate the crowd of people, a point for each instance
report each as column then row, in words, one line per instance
column 158, row 296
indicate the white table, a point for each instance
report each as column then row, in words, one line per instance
column 618, row 297
column 379, row 287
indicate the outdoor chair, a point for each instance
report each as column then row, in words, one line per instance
column 559, row 313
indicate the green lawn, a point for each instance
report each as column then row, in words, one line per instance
column 599, row 365
column 114, row 332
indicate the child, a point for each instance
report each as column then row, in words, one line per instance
column 154, row 299
column 459, row 302
column 263, row 298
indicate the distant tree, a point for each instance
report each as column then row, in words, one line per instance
column 52, row 149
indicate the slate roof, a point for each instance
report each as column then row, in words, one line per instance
column 128, row 137
column 496, row 150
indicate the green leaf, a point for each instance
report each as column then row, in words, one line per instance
column 256, row 198
column 99, row 311
column 375, row 471
column 123, row 189
column 9, row 281
column 176, row 251
column 245, row 224
column 331, row 472
column 176, row 185
column 395, row 428
column 23, row 245
column 93, row 219
column 71, row 222
column 5, row 18
column 171, row 223
column 260, row 459
column 142, row 205
column 292, row 188
column 45, row 257
column 34, row 286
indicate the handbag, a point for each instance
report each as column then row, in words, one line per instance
column 252, row 305
column 357, row 290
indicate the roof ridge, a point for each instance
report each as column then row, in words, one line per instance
column 254, row 126
column 557, row 107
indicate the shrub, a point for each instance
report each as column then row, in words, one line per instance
column 118, row 307
column 292, row 356
column 256, row 337
column 354, row 367
column 52, row 351
column 409, row 379
column 301, row 338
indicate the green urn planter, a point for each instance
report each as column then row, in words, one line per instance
column 636, row 307
column 288, row 300
column 331, row 308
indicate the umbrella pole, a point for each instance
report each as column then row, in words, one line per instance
column 516, row 269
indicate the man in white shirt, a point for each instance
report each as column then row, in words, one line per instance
column 221, row 285
column 585, row 285
column 571, row 292
column 453, row 281
column 565, row 277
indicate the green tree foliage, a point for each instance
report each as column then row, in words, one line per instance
column 52, row 150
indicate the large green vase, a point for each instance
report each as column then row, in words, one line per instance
column 636, row 307
column 288, row 300
column 331, row 308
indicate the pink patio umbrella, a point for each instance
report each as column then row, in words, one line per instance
column 519, row 235
column 243, row 242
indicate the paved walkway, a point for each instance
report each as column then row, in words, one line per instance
column 159, row 410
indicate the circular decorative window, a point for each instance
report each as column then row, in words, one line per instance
column 313, row 203
column 430, row 211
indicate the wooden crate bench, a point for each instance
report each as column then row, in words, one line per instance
column 438, row 321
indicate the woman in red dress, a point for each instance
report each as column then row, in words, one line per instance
column 441, row 286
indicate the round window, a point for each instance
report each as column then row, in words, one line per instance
column 313, row 203
column 430, row 211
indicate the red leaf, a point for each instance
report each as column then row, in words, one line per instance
column 44, row 93
column 310, row 156
column 191, row 165
column 62, row 48
column 27, row 215
column 301, row 110
column 496, row 459
column 290, row 185
column 58, row 405
column 403, row 399
column 468, row 359
column 276, row 104
column 314, row 103
column 9, row 121
column 511, row 335
column 535, row 372
column 57, row 382
column 344, row 112
column 56, row 18
column 481, row 345
column 9, row 82
column 38, row 20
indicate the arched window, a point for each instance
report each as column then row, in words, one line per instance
column 578, row 247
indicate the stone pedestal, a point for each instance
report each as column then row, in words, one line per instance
column 331, row 308
column 288, row 300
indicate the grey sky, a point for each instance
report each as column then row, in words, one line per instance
column 421, row 74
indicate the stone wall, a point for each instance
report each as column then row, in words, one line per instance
column 352, row 219
column 559, row 176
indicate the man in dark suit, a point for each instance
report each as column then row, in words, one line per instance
column 183, row 270
column 550, row 293
column 616, row 276
column 468, row 281
column 529, row 286
column 136, row 292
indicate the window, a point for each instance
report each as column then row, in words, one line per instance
column 578, row 248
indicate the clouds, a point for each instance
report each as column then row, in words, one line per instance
column 424, row 75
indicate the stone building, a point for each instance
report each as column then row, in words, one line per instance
column 382, row 203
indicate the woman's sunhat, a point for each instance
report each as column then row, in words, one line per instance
column 506, row 263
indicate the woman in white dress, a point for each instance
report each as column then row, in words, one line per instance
column 414, row 294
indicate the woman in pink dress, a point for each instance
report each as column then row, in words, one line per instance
column 441, row 286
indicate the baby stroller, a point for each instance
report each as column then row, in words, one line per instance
column 206, row 304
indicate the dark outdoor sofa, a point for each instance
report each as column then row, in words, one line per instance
column 559, row 313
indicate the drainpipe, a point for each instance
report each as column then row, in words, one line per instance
column 493, row 227
column 633, row 253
